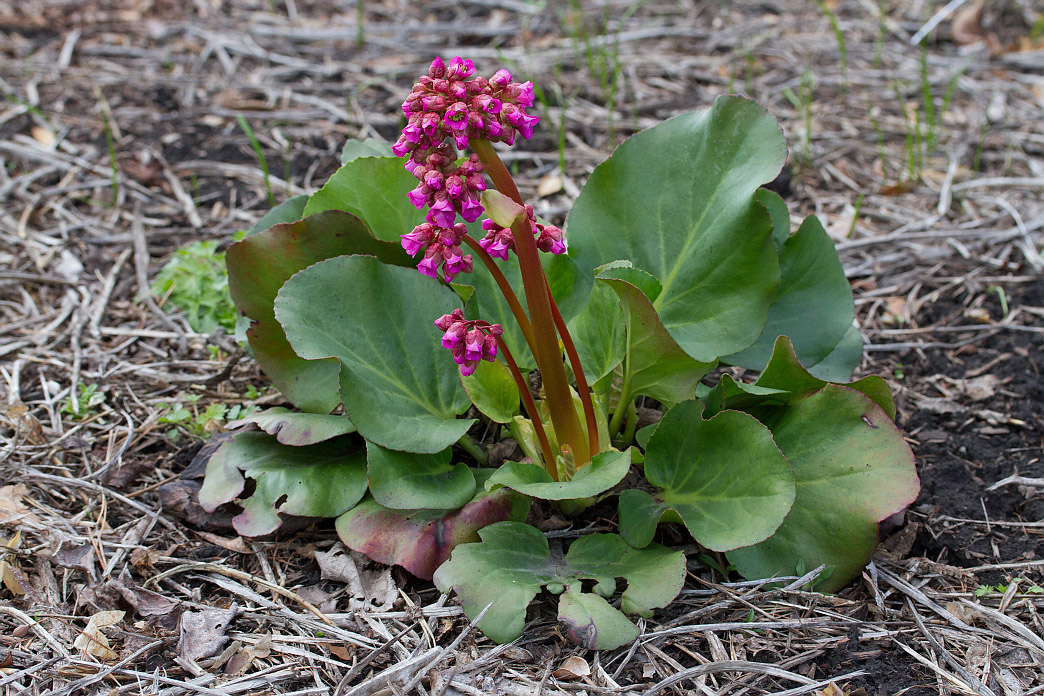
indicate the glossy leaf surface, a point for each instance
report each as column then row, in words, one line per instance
column 813, row 305
column 421, row 540
column 374, row 189
column 411, row 481
column 605, row 471
column 853, row 468
column 493, row 391
column 297, row 429
column 724, row 476
column 678, row 201
column 260, row 264
column 399, row 386
column 654, row 365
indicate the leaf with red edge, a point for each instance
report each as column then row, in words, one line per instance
column 421, row 540
column 853, row 469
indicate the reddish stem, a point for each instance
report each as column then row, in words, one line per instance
column 531, row 408
column 546, row 351
column 578, row 372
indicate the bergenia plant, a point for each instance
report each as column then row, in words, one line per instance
column 675, row 262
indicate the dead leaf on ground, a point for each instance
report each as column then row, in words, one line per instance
column 7, row 571
column 236, row 545
column 367, row 588
column 341, row 652
column 977, row 388
column 145, row 602
column 93, row 641
column 833, row 689
column 203, row 632
column 242, row 660
column 573, row 668
column 13, row 511
column 76, row 555
column 549, row 185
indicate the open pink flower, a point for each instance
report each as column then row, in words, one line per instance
column 499, row 240
column 469, row 341
column 441, row 246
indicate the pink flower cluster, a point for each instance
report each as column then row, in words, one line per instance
column 441, row 249
column 469, row 341
column 448, row 190
column 445, row 103
column 499, row 240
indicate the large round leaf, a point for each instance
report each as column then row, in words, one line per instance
column 678, row 200
column 411, row 481
column 724, row 476
column 853, row 469
column 513, row 561
column 399, row 386
column 374, row 189
column 319, row 480
column 260, row 264
column 813, row 304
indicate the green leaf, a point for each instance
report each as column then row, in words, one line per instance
column 257, row 268
column 290, row 210
column 399, row 386
column 297, row 429
column 839, row 365
column 493, row 391
column 605, row 471
column 853, row 469
column 319, row 480
column 678, row 200
column 501, row 209
column 778, row 212
column 654, row 365
column 813, row 305
column 421, row 540
column 598, row 332
column 374, row 189
column 785, row 373
column 513, row 561
column 724, row 477
column 592, row 622
column 370, row 147
column 409, row 481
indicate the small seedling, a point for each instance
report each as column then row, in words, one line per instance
column 86, row 402
column 254, row 143
column 190, row 420
column 839, row 36
column 1003, row 297
column 195, row 281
